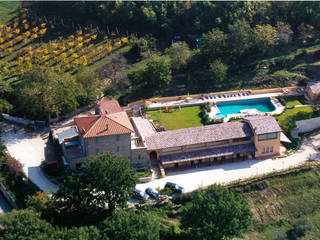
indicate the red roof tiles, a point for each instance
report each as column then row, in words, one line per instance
column 109, row 107
column 115, row 123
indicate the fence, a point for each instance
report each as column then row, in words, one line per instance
column 23, row 121
column 71, row 114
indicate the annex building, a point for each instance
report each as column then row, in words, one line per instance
column 110, row 129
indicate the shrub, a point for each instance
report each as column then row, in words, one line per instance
column 14, row 166
column 300, row 228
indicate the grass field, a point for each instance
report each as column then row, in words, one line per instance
column 176, row 119
column 295, row 100
column 9, row 9
column 288, row 118
column 286, row 199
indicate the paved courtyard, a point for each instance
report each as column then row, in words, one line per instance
column 226, row 173
column 30, row 149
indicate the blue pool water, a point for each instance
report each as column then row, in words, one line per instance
column 262, row 105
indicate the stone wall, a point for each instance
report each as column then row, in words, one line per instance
column 109, row 144
column 139, row 158
column 308, row 125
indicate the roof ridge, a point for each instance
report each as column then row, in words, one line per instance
column 118, row 122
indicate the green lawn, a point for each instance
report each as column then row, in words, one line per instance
column 288, row 118
column 8, row 10
column 295, row 100
column 176, row 119
column 286, row 199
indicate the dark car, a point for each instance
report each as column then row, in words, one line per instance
column 152, row 193
column 52, row 168
column 138, row 194
column 175, row 187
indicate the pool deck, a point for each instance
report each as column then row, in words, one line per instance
column 278, row 107
column 198, row 101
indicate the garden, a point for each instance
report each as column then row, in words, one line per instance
column 177, row 118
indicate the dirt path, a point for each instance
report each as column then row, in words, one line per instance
column 29, row 148
column 226, row 173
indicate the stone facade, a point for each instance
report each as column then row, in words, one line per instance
column 139, row 158
column 120, row 144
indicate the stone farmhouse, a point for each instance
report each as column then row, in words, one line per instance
column 110, row 129
column 313, row 89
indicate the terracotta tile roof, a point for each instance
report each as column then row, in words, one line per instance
column 207, row 153
column 109, row 106
column 197, row 135
column 104, row 125
column 85, row 123
column 314, row 87
column 263, row 124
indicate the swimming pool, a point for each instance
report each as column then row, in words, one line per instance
column 233, row 107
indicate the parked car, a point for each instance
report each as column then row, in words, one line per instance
column 152, row 193
column 51, row 168
column 140, row 195
column 175, row 187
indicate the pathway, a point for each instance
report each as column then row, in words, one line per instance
column 226, row 173
column 29, row 148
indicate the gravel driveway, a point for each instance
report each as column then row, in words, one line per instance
column 29, row 148
column 225, row 173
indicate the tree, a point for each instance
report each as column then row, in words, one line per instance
column 142, row 47
column 240, row 37
column 89, row 82
column 123, row 225
column 44, row 92
column 75, row 204
column 25, row 224
column 111, row 180
column 284, row 31
column 218, row 72
column 80, row 233
column 265, row 37
column 216, row 213
column 213, row 44
column 107, row 181
column 179, row 54
column 157, row 73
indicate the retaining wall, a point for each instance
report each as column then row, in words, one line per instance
column 23, row 121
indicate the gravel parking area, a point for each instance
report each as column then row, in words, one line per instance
column 29, row 148
column 226, row 173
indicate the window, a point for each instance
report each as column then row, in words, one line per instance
column 195, row 146
column 97, row 140
column 97, row 151
column 218, row 143
column 244, row 139
column 267, row 150
column 118, row 149
column 172, row 149
column 118, row 138
column 271, row 149
column 267, row 136
column 263, row 150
